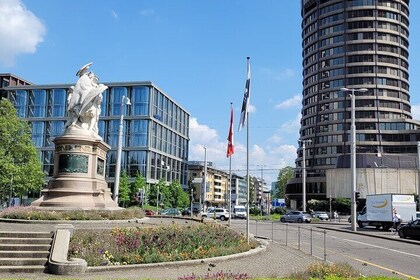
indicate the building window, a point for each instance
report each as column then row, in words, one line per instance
column 137, row 162
column 139, row 132
column 140, row 101
column 57, row 103
column 20, row 102
column 37, row 104
column 115, row 100
column 38, row 134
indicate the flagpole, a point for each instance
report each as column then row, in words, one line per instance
column 247, row 177
column 230, row 180
column 245, row 118
column 247, row 152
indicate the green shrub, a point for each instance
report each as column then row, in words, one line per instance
column 320, row 270
column 278, row 210
column 254, row 210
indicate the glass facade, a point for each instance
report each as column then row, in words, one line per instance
column 155, row 136
column 353, row 44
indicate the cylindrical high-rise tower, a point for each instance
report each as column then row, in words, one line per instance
column 352, row 44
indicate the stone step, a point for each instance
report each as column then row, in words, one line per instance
column 22, row 268
column 18, row 234
column 24, row 254
column 23, row 261
column 14, row 240
column 25, row 247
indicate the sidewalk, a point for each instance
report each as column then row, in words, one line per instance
column 273, row 262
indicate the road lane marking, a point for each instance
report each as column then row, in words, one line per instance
column 360, row 260
column 373, row 264
column 384, row 268
column 380, row 247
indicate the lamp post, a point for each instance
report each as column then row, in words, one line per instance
column 124, row 101
column 205, row 177
column 304, row 173
column 418, row 155
column 262, row 186
column 353, row 154
column 192, row 198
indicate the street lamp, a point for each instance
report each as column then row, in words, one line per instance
column 353, row 154
column 124, row 101
column 304, row 172
column 204, row 187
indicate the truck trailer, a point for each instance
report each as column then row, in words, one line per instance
column 379, row 210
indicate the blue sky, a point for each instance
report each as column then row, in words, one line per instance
column 195, row 51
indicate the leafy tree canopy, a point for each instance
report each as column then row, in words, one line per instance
column 20, row 167
column 285, row 175
column 124, row 194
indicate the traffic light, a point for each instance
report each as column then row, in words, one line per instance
column 356, row 196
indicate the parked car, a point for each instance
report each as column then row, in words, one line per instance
column 171, row 212
column 411, row 230
column 296, row 216
column 323, row 216
column 186, row 212
column 218, row 213
column 149, row 212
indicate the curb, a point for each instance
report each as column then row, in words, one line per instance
column 372, row 235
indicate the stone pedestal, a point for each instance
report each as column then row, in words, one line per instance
column 79, row 175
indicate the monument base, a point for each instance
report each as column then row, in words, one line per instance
column 78, row 181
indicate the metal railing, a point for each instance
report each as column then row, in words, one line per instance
column 306, row 239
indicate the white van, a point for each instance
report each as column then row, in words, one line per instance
column 239, row 212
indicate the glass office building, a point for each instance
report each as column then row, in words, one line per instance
column 155, row 136
column 353, row 44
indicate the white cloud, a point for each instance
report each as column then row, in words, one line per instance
column 279, row 75
column 114, row 14
column 292, row 126
column 252, row 108
column 20, row 31
column 415, row 111
column 295, row 101
column 271, row 158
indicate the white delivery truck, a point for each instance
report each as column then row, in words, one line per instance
column 239, row 212
column 379, row 208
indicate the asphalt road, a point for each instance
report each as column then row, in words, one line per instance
column 370, row 251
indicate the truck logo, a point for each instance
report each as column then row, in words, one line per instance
column 382, row 205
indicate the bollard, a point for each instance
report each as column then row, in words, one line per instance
column 256, row 227
column 272, row 231
column 311, row 241
column 299, row 238
column 325, row 245
column 287, row 230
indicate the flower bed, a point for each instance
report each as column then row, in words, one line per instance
column 121, row 246
column 32, row 213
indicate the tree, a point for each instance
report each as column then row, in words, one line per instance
column 20, row 167
column 252, row 190
column 124, row 195
column 139, row 184
column 285, row 175
column 163, row 190
column 342, row 205
column 179, row 198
